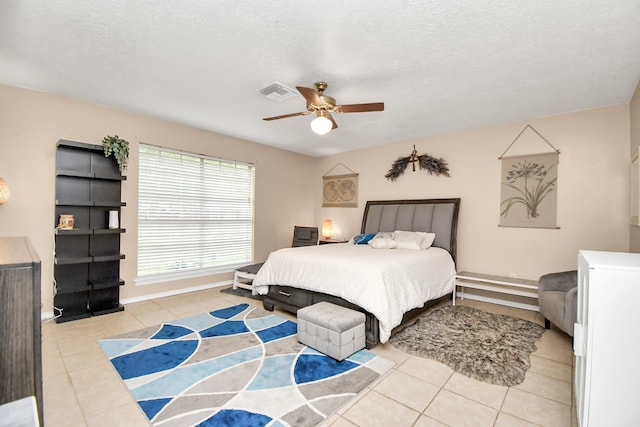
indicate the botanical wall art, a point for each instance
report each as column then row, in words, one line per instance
column 340, row 191
column 529, row 182
column 425, row 161
column 529, row 196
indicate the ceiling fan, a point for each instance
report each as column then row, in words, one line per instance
column 322, row 106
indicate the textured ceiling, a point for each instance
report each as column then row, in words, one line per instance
column 439, row 66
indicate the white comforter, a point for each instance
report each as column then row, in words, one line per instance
column 385, row 282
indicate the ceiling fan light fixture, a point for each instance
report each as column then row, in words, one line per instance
column 321, row 125
column 323, row 105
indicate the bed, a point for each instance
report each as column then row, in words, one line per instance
column 391, row 286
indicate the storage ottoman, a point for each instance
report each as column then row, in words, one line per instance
column 331, row 329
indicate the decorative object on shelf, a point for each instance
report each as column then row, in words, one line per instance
column 118, row 148
column 327, row 228
column 528, row 197
column 425, row 161
column 340, row 191
column 66, row 222
column 113, row 220
column 4, row 192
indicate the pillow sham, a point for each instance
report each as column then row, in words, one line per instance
column 384, row 235
column 416, row 240
column 363, row 239
column 383, row 243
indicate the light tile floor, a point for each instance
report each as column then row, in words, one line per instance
column 82, row 389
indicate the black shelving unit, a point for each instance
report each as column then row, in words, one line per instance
column 87, row 257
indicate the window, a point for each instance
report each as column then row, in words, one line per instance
column 195, row 215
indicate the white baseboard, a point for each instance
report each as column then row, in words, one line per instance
column 175, row 292
column 47, row 315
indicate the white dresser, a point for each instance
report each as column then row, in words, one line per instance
column 607, row 339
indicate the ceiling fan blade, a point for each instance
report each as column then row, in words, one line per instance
column 360, row 108
column 302, row 113
column 334, row 125
column 310, row 95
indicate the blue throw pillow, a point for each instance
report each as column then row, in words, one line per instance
column 363, row 239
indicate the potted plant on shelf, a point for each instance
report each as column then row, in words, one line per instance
column 118, row 148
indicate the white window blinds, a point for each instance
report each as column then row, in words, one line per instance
column 195, row 214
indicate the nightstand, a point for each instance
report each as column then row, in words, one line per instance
column 329, row 241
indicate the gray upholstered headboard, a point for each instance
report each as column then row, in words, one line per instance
column 439, row 216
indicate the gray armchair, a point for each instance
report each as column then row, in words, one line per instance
column 557, row 296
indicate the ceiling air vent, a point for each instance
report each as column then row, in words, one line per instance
column 278, row 92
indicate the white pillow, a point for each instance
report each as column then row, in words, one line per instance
column 384, row 235
column 416, row 240
column 428, row 240
column 382, row 243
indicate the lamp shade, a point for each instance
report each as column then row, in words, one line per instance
column 327, row 228
column 321, row 125
column 4, row 192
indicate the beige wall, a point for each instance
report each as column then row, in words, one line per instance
column 634, row 114
column 593, row 188
column 593, row 184
column 32, row 122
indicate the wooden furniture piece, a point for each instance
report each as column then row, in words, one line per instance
column 243, row 277
column 330, row 241
column 21, row 349
column 439, row 216
column 87, row 257
column 500, row 284
column 605, row 339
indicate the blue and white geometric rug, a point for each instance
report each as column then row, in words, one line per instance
column 238, row 366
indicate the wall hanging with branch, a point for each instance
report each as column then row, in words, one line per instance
column 430, row 164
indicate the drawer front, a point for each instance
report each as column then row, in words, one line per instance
column 293, row 296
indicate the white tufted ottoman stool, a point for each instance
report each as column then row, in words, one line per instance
column 331, row 329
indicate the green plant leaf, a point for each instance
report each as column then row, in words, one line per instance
column 118, row 148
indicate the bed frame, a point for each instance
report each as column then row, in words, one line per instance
column 439, row 216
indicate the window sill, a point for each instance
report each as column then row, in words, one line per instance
column 182, row 275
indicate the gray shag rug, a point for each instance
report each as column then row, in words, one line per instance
column 493, row 348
